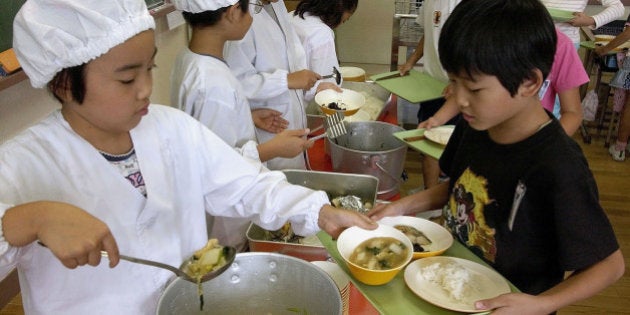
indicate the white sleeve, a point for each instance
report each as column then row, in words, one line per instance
column 613, row 9
column 259, row 86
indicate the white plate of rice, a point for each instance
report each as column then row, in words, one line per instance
column 454, row 283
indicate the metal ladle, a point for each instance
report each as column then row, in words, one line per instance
column 228, row 252
column 336, row 74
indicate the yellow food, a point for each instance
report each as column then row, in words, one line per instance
column 207, row 259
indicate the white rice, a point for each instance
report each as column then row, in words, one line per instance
column 452, row 277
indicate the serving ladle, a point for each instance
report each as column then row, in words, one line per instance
column 336, row 74
column 228, row 252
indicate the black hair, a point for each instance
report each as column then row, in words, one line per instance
column 329, row 11
column 209, row 18
column 72, row 78
column 508, row 39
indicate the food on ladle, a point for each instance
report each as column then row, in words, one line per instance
column 209, row 258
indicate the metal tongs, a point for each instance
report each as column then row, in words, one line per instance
column 334, row 126
column 336, row 74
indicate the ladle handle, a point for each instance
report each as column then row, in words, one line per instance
column 150, row 263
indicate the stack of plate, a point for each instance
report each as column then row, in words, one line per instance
column 341, row 280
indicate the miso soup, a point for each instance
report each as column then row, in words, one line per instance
column 380, row 253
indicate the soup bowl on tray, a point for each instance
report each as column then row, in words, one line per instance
column 394, row 255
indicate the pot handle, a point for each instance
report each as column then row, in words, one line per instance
column 375, row 162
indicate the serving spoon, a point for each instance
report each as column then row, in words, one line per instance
column 228, row 252
column 336, row 74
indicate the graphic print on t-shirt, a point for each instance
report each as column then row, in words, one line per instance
column 465, row 214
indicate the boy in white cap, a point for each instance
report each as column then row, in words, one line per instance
column 111, row 172
column 270, row 62
column 203, row 86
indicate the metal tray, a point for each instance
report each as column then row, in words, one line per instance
column 334, row 184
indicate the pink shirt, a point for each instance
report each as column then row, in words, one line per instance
column 567, row 72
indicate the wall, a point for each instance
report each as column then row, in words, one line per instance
column 365, row 38
column 21, row 105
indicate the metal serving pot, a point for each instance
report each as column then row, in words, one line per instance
column 370, row 148
column 257, row 283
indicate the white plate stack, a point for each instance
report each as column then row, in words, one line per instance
column 341, row 280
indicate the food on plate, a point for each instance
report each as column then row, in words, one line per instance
column 336, row 106
column 351, row 202
column 452, row 277
column 417, row 238
column 380, row 253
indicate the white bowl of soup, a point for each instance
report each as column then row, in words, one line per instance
column 374, row 257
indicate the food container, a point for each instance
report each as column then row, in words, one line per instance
column 334, row 184
column 353, row 74
column 370, row 148
column 352, row 237
column 376, row 100
column 441, row 238
column 257, row 283
column 350, row 101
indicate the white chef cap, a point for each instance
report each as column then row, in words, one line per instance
column 197, row 6
column 50, row 35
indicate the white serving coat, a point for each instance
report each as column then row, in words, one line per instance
column 261, row 62
column 205, row 88
column 186, row 169
column 318, row 40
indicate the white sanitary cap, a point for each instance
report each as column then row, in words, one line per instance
column 197, row 6
column 51, row 35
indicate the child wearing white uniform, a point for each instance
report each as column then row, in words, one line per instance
column 203, row 86
column 314, row 21
column 613, row 9
column 59, row 188
column 270, row 62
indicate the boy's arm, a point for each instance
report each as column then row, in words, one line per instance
column 428, row 199
column 570, row 110
column 74, row 236
column 444, row 114
column 413, row 59
column 579, row 286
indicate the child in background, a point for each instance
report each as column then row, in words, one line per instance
column 563, row 82
column 314, row 22
column 203, row 86
column 621, row 83
column 111, row 172
column 613, row 9
column 432, row 16
column 520, row 193
column 270, row 62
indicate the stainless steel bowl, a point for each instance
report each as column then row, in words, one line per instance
column 257, row 283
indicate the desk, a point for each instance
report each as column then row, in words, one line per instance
column 395, row 297
column 599, row 64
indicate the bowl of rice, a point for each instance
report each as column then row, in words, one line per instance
column 374, row 257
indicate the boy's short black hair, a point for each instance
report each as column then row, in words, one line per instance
column 329, row 11
column 508, row 39
column 209, row 18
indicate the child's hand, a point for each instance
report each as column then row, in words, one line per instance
column 514, row 303
column 328, row 85
column 335, row 220
column 290, row 143
column 430, row 123
column 581, row 19
column 303, row 79
column 382, row 210
column 269, row 120
column 76, row 237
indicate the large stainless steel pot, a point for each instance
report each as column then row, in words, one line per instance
column 370, row 148
column 257, row 283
